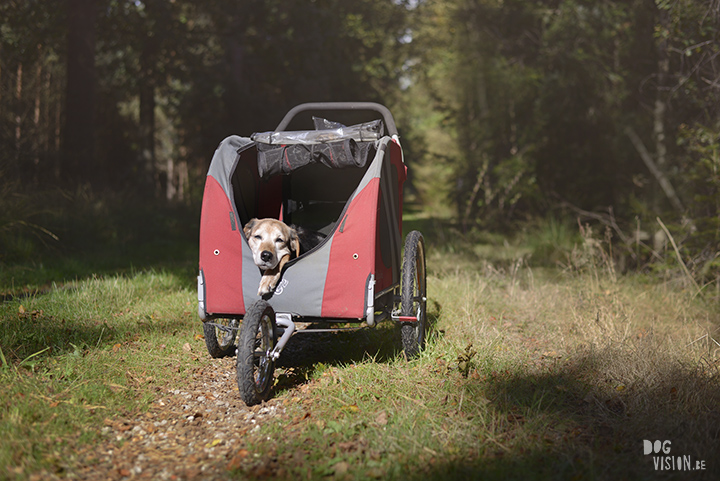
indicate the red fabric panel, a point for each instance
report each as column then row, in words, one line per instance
column 383, row 273
column 223, row 272
column 352, row 256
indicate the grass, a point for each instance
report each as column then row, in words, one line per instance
column 500, row 395
column 530, row 373
column 77, row 355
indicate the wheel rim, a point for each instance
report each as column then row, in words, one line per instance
column 264, row 344
column 225, row 338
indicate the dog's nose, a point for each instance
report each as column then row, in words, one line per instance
column 266, row 256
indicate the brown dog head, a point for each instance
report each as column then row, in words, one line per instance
column 270, row 240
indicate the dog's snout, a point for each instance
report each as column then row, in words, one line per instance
column 266, row 256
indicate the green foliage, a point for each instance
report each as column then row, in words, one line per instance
column 531, row 94
column 702, row 170
column 174, row 78
column 58, row 236
column 505, row 109
column 551, row 240
column 22, row 234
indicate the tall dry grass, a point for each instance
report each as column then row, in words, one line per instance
column 612, row 359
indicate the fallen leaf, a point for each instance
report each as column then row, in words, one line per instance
column 236, row 462
column 353, row 408
column 516, row 418
column 341, row 468
column 187, row 347
column 381, row 419
column 301, row 418
column 214, row 443
column 122, row 427
column 375, row 473
column 199, row 337
column 116, row 347
column 348, row 446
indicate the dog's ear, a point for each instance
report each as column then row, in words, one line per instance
column 249, row 226
column 295, row 242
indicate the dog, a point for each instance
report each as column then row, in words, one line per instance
column 272, row 243
column 308, row 238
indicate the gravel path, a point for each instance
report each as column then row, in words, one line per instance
column 199, row 432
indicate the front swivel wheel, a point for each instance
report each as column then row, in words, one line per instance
column 255, row 365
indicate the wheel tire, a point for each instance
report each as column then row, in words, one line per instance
column 254, row 365
column 220, row 343
column 413, row 296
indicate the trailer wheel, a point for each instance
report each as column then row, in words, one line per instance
column 255, row 366
column 220, row 342
column 413, row 297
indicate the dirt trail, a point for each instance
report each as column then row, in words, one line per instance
column 204, row 430
column 199, row 432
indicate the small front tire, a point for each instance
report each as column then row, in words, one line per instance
column 220, row 341
column 255, row 365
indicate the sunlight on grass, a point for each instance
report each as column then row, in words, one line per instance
column 84, row 352
column 529, row 373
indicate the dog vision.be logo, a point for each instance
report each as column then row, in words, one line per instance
column 664, row 461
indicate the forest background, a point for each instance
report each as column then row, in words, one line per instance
column 512, row 113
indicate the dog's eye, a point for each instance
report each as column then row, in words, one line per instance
column 279, row 239
column 257, row 237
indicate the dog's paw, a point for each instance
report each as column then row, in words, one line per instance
column 267, row 285
column 264, row 291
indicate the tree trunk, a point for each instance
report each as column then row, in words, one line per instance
column 147, row 136
column 38, row 132
column 170, row 189
column 661, row 104
column 149, row 178
column 78, row 160
column 18, row 107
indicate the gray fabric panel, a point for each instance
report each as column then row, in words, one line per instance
column 250, row 276
column 375, row 168
column 301, row 286
column 223, row 161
